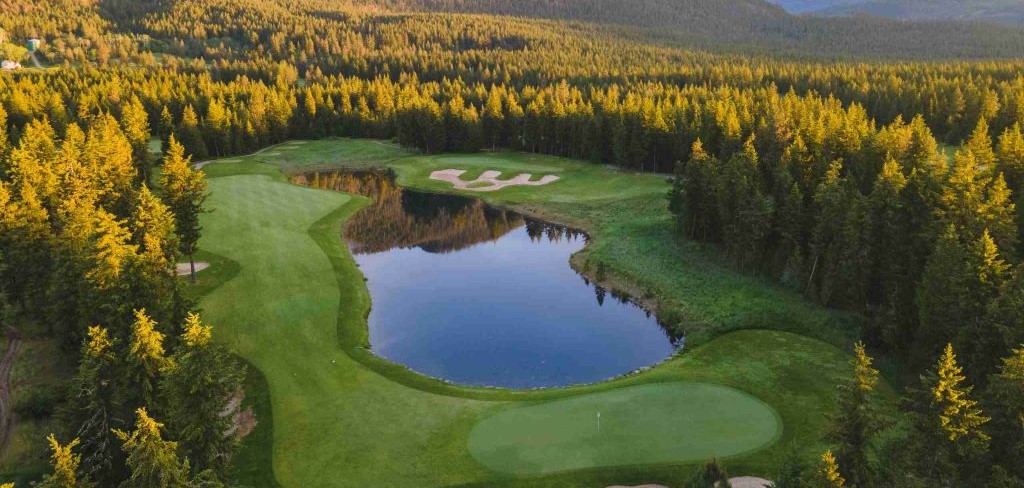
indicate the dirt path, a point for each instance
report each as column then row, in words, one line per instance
column 7, row 418
column 35, row 60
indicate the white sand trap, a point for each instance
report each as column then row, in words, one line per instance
column 748, row 482
column 185, row 269
column 488, row 181
column 737, row 482
column 639, row 486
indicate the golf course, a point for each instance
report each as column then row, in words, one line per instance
column 758, row 367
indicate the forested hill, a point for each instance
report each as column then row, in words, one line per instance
column 757, row 25
column 1009, row 12
column 703, row 15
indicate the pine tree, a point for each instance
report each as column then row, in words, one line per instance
column 1010, row 157
column 135, row 124
column 947, row 440
column 978, row 339
column 184, row 193
column 980, row 145
column 154, row 232
column 190, row 135
column 857, row 421
column 946, row 280
column 960, row 417
column 96, row 397
column 113, row 251
column 65, row 466
column 153, row 461
column 1006, row 396
column 826, row 474
column 196, row 392
column 166, row 128
column 145, row 357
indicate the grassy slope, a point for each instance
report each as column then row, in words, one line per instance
column 337, row 422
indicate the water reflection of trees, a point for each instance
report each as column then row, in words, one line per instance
column 438, row 223
column 401, row 218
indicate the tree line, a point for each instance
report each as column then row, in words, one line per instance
column 88, row 251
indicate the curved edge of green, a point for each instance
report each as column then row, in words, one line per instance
column 778, row 427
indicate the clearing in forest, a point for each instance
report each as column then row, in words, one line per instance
column 337, row 416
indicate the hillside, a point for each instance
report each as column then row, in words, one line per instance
column 757, row 25
column 1009, row 12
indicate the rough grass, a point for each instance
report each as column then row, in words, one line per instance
column 26, row 455
column 296, row 310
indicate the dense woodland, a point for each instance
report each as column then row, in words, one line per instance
column 831, row 177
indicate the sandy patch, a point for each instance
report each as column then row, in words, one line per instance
column 272, row 153
column 185, row 269
column 748, row 482
column 242, row 421
column 639, row 486
column 737, row 482
column 488, row 181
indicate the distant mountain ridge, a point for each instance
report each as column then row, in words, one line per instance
column 1010, row 12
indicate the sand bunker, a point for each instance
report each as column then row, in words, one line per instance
column 737, row 482
column 748, row 482
column 186, row 269
column 488, row 181
column 639, row 486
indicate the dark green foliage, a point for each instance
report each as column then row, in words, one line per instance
column 712, row 475
column 791, row 472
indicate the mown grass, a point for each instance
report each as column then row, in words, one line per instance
column 296, row 310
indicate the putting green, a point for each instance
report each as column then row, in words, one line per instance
column 661, row 423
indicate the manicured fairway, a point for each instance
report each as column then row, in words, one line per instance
column 294, row 305
column 660, row 423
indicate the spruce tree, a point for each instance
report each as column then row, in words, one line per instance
column 190, row 135
column 184, row 191
column 196, row 392
column 947, row 441
column 826, row 474
column 1005, row 394
column 145, row 358
column 857, row 421
column 153, row 462
column 135, row 124
column 64, row 463
column 96, row 399
column 946, row 280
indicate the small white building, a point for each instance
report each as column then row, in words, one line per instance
column 8, row 65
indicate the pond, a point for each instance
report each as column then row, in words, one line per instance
column 482, row 296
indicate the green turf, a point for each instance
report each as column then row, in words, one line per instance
column 295, row 308
column 650, row 424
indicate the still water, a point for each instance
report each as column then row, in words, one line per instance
column 482, row 296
